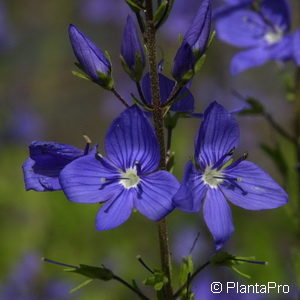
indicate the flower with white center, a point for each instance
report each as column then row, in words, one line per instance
column 127, row 178
column 215, row 179
column 263, row 28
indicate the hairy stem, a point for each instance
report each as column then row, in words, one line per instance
column 158, row 112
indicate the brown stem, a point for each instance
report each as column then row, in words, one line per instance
column 158, row 118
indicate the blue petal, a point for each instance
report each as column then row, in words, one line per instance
column 87, row 180
column 256, row 189
column 241, row 28
column 89, row 56
column 296, row 46
column 39, row 178
column 198, row 33
column 277, row 12
column 217, row 216
column 46, row 161
column 116, row 211
column 157, row 191
column 131, row 139
column 217, row 136
column 166, row 85
column 131, row 44
column 192, row 190
column 250, row 58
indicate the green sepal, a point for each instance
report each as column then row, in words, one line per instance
column 166, row 12
column 199, row 63
column 81, row 75
column 105, row 80
column 223, row 258
column 186, row 270
column 137, row 72
column 134, row 5
column 161, row 10
column 186, row 77
column 187, row 267
column 81, row 285
column 211, row 39
column 92, row 272
column 256, row 108
column 157, row 280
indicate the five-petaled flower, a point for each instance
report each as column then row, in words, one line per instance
column 261, row 26
column 214, row 178
column 128, row 178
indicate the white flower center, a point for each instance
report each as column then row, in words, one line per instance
column 130, row 178
column 212, row 177
column 272, row 37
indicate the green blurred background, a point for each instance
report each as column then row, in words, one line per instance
column 41, row 99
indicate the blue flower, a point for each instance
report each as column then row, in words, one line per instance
column 132, row 53
column 185, row 101
column 47, row 159
column 91, row 59
column 263, row 28
column 214, row 179
column 194, row 43
column 128, row 178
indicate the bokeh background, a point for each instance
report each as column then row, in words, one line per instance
column 42, row 100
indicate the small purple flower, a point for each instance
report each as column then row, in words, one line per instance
column 262, row 28
column 194, row 43
column 214, row 179
column 128, row 178
column 132, row 53
column 47, row 159
column 185, row 101
column 91, row 59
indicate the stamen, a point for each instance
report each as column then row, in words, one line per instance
column 108, row 181
column 99, row 157
column 218, row 164
column 238, row 161
column 88, row 143
column 138, row 166
column 233, row 182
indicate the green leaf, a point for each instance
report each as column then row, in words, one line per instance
column 101, row 273
column 81, row 285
